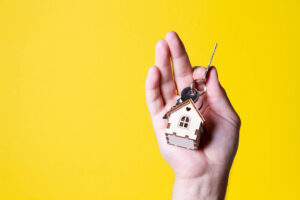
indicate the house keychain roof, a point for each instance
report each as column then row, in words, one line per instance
column 185, row 125
column 181, row 105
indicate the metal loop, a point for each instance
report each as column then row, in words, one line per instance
column 201, row 92
column 203, row 79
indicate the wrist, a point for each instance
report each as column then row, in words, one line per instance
column 210, row 186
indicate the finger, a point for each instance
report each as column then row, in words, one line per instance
column 162, row 61
column 198, row 72
column 217, row 97
column 214, row 89
column 213, row 85
column 181, row 63
column 154, row 99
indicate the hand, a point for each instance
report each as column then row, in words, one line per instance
column 199, row 173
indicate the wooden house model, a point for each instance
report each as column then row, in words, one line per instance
column 185, row 125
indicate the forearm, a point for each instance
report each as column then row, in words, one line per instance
column 207, row 187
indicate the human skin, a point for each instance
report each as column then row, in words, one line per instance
column 203, row 173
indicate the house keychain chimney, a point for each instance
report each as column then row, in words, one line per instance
column 186, row 124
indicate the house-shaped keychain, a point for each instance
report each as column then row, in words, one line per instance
column 185, row 125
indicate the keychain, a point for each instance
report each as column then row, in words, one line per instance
column 186, row 124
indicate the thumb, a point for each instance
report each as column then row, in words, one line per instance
column 214, row 89
column 217, row 98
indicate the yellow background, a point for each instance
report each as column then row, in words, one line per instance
column 73, row 117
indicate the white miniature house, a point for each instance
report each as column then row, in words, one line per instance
column 185, row 125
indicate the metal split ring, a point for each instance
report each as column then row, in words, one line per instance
column 201, row 91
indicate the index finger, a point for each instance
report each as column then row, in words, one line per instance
column 183, row 74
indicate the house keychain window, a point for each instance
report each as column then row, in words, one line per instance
column 186, row 124
column 184, row 121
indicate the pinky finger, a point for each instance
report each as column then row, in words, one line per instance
column 154, row 98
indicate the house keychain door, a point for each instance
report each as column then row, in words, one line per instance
column 186, row 124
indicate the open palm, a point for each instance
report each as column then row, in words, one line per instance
column 219, row 144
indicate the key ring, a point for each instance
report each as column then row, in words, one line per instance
column 200, row 92
column 202, row 84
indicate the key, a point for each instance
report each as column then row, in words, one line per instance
column 190, row 93
column 212, row 55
